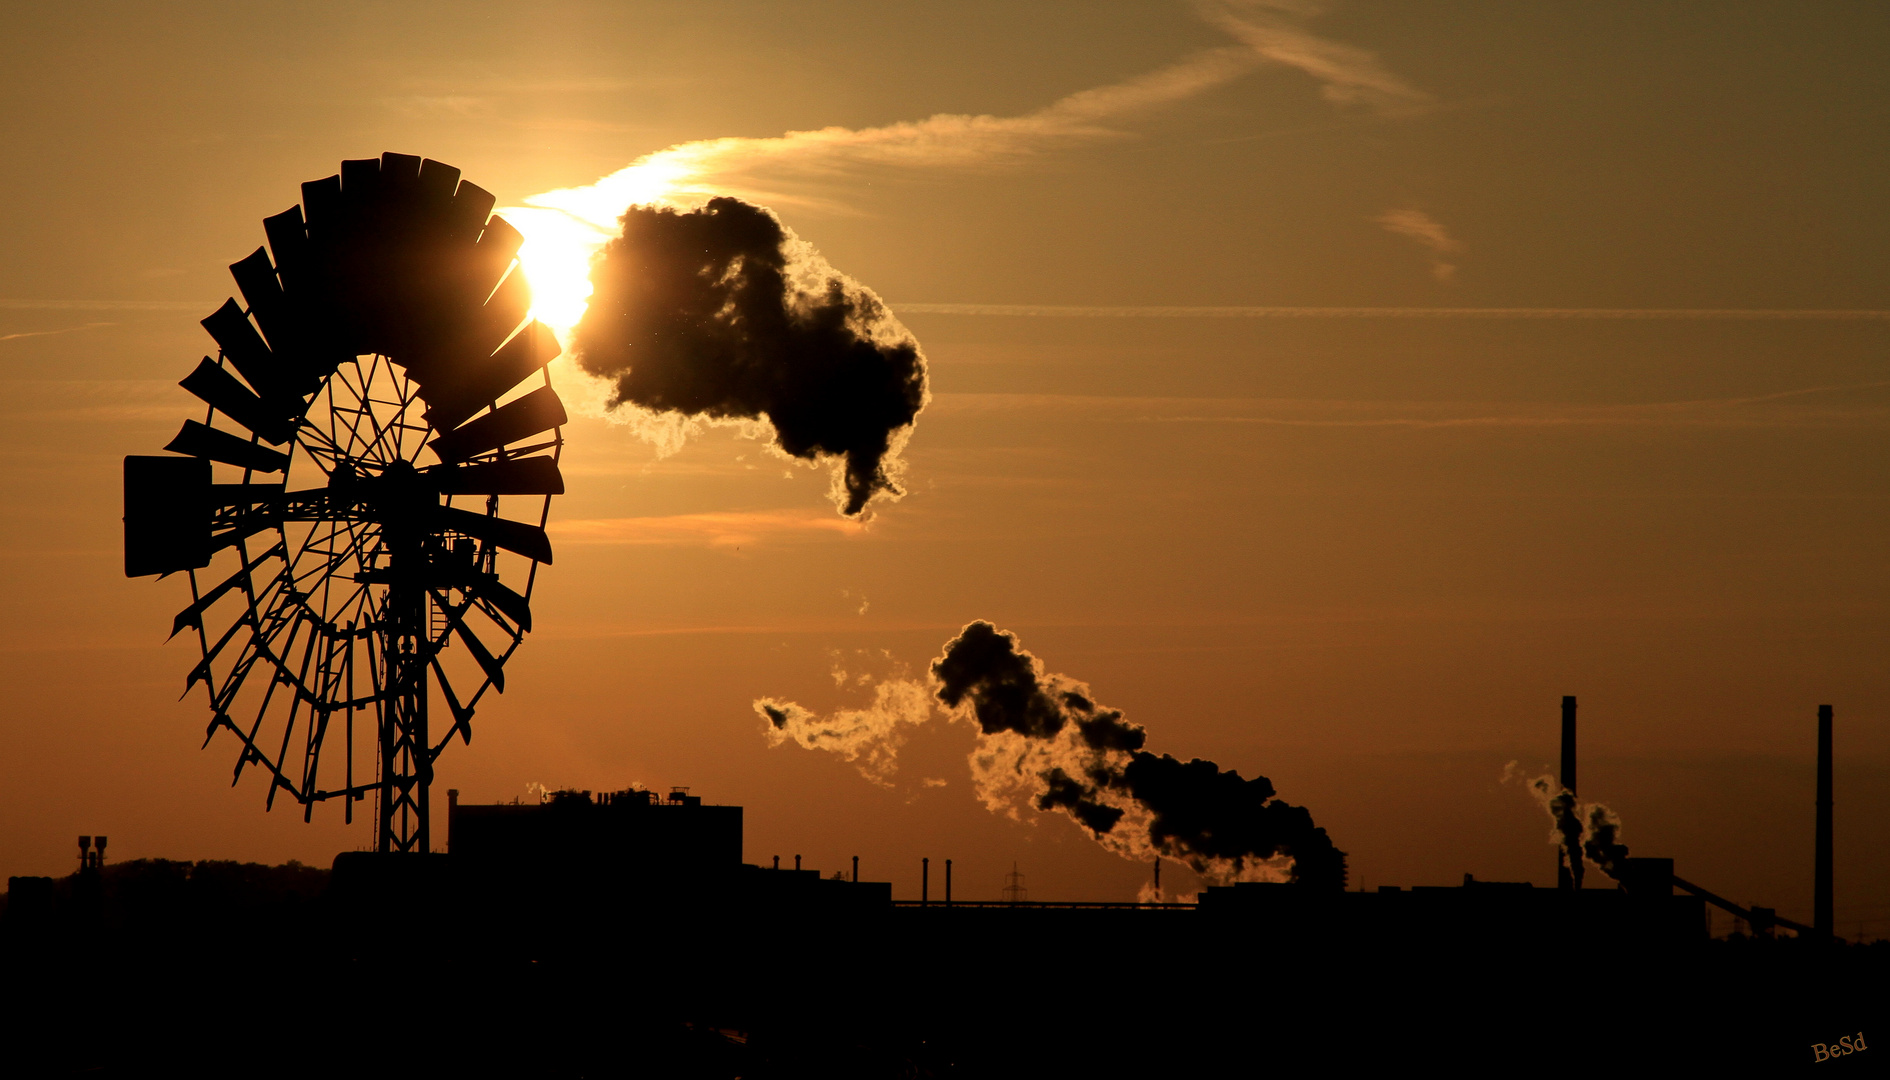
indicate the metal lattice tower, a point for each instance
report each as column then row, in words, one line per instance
column 1014, row 891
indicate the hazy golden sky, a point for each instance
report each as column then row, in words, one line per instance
column 1360, row 552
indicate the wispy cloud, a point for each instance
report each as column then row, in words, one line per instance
column 1268, row 32
column 427, row 106
column 90, row 400
column 1427, row 231
column 754, row 169
column 50, row 333
column 565, row 227
column 1842, row 405
column 716, row 529
column 1069, row 311
column 106, row 305
column 1348, row 75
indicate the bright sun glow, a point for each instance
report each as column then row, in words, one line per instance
column 565, row 228
column 556, row 258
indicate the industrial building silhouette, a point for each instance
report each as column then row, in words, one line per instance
column 621, row 933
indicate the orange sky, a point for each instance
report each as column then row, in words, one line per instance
column 1361, row 553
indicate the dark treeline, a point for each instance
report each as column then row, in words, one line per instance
column 141, row 891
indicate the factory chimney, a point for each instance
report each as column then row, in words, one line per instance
column 1822, row 919
column 1564, row 873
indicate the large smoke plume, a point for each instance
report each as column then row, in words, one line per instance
column 1045, row 743
column 722, row 314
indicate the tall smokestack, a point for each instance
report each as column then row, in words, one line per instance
column 925, row 880
column 1568, row 743
column 1564, row 873
column 1823, row 920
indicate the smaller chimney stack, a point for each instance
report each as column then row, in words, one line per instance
column 856, row 869
column 797, row 862
column 1568, row 743
column 925, row 880
column 1823, row 919
column 948, row 883
column 1158, row 877
column 1564, row 873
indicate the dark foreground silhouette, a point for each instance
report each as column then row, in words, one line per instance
column 561, row 948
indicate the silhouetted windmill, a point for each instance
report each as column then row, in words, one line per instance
column 392, row 370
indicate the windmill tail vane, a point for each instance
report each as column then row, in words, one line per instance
column 384, row 362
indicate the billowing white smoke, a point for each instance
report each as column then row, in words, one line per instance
column 869, row 738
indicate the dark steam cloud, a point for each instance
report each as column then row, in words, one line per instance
column 721, row 313
column 1586, row 832
column 1602, row 843
column 1046, row 735
column 1568, row 824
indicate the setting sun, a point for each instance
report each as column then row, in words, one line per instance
column 565, row 227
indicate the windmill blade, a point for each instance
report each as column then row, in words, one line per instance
column 200, row 441
column 202, row 671
column 364, row 282
column 245, row 527
column 318, row 293
column 462, row 716
column 360, row 187
column 288, row 243
column 494, row 669
column 537, row 411
column 438, row 182
column 400, row 183
column 516, row 536
column 297, row 268
column 167, row 516
column 519, row 476
column 322, row 201
column 244, row 495
column 245, row 348
column 418, row 196
column 221, row 391
column 293, row 348
column 192, row 616
column 489, row 588
column 470, row 387
column 498, row 245
column 321, row 206
column 256, row 280
column 502, row 313
column 472, row 205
